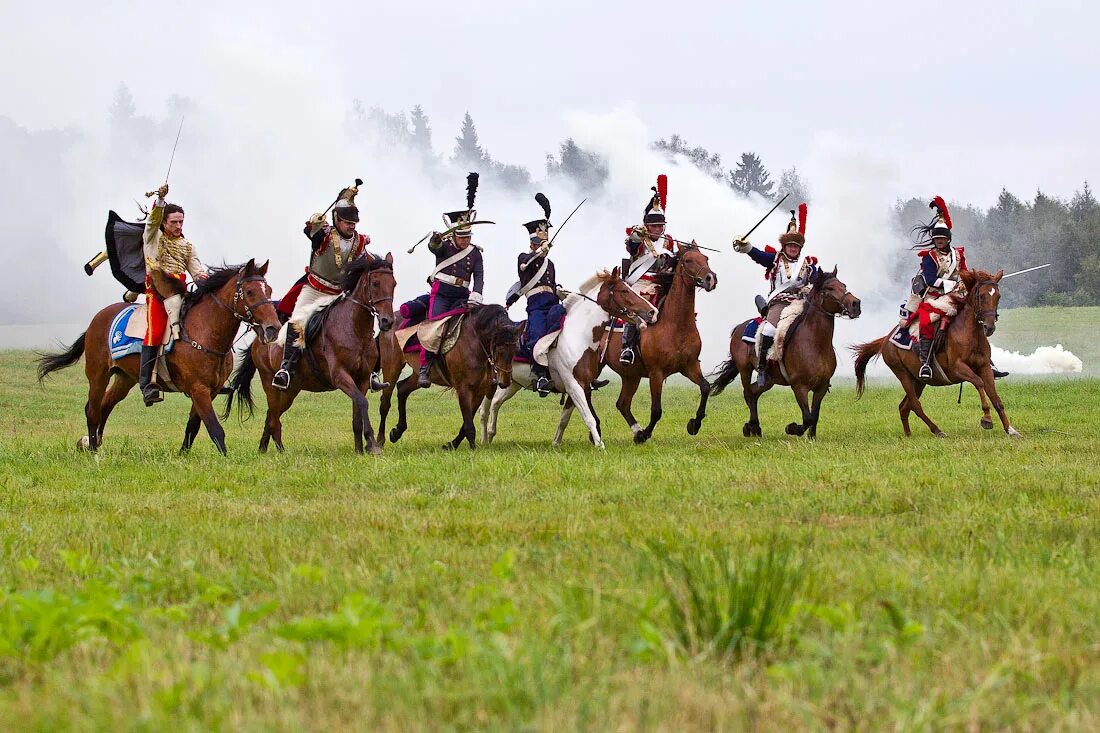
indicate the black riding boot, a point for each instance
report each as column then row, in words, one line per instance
column 997, row 373
column 291, row 352
column 424, row 379
column 542, row 384
column 150, row 390
column 924, row 347
column 376, row 383
column 762, row 359
column 630, row 343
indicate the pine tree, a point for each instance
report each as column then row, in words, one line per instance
column 792, row 183
column 751, row 176
column 421, row 139
column 468, row 152
column 586, row 169
column 706, row 161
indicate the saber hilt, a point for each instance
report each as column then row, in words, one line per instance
column 90, row 265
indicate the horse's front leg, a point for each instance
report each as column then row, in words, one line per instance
column 203, row 405
column 656, row 387
column 191, row 431
column 626, row 397
column 360, row 420
column 815, row 409
column 491, row 410
column 998, row 405
column 404, row 388
column 579, row 401
column 694, row 372
column 801, row 393
column 969, row 375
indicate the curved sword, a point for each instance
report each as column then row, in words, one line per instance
column 453, row 229
column 550, row 244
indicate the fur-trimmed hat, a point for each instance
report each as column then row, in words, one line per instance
column 796, row 228
column 658, row 202
column 457, row 218
column 537, row 226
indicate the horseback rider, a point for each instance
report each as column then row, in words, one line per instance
column 538, row 282
column 169, row 256
column 645, row 263
column 332, row 248
column 459, row 275
column 787, row 272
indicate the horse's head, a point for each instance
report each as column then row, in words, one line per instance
column 499, row 337
column 832, row 295
column 621, row 300
column 695, row 266
column 983, row 296
column 251, row 301
column 369, row 282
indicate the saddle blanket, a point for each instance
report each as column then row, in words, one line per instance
column 127, row 331
column 438, row 336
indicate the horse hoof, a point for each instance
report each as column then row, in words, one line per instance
column 84, row 443
column 987, row 424
column 640, row 437
column 794, row 428
column 752, row 431
column 940, row 434
column 1014, row 433
column 447, row 446
column 394, row 435
column 375, row 450
column 693, row 426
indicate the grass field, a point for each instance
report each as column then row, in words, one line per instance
column 864, row 582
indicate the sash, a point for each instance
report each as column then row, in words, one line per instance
column 457, row 257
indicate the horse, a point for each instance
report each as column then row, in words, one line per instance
column 199, row 362
column 480, row 360
column 963, row 358
column 670, row 346
column 574, row 359
column 340, row 355
column 808, row 359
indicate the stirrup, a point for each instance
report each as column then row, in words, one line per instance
column 281, row 379
column 626, row 356
column 542, row 386
column 925, row 372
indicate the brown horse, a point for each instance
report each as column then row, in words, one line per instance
column 808, row 357
column 198, row 363
column 671, row 346
column 339, row 356
column 963, row 358
column 480, row 361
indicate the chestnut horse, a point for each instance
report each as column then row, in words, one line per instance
column 339, row 356
column 964, row 356
column 479, row 362
column 669, row 347
column 808, row 356
column 199, row 362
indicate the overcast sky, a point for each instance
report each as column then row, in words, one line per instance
column 964, row 97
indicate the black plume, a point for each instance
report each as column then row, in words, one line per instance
column 544, row 203
column 471, row 190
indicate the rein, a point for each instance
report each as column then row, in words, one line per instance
column 979, row 314
column 249, row 319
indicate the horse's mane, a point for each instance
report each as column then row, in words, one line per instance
column 216, row 278
column 823, row 277
column 977, row 276
column 357, row 267
column 490, row 320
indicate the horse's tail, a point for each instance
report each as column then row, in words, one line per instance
column 723, row 376
column 48, row 363
column 240, row 384
column 865, row 353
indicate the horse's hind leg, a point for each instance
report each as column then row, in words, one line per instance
column 93, row 408
column 626, row 396
column 913, row 390
column 467, row 403
column 191, row 430
column 563, row 422
column 656, row 387
column 752, row 394
column 801, row 393
column 695, row 374
column 404, row 388
column 119, row 387
column 201, row 403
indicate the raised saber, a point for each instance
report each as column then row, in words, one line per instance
column 358, row 183
column 453, row 229
column 1021, row 272
column 770, row 212
column 550, row 244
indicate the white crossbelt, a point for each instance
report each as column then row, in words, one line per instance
column 437, row 273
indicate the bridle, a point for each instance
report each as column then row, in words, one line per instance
column 679, row 270
column 372, row 302
column 843, row 309
column 248, row 318
column 979, row 313
column 615, row 310
column 488, row 353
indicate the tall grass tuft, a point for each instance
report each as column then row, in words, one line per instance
column 720, row 606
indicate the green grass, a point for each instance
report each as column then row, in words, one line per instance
column 862, row 582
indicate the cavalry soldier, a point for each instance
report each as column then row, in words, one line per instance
column 459, row 274
column 538, row 282
column 168, row 259
column 643, row 243
column 940, row 268
column 333, row 247
column 787, row 272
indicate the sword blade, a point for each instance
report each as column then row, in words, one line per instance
column 1021, row 272
column 574, row 211
column 772, row 209
column 173, row 158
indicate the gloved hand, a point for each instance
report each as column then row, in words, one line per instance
column 316, row 220
column 162, row 191
column 543, row 250
column 637, row 234
column 435, row 240
column 561, row 292
column 741, row 245
column 475, row 298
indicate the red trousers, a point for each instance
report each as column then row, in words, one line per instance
column 156, row 318
column 924, row 315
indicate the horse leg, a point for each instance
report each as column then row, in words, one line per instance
column 384, row 409
column 190, row 431
column 360, row 420
column 467, row 403
column 404, row 388
column 117, row 390
column 752, row 393
column 815, row 410
column 695, row 373
column 998, row 405
column 93, row 408
column 563, row 422
column 201, row 402
column 913, row 389
column 801, row 392
column 592, row 408
column 626, row 396
column 580, row 402
column 275, row 421
column 656, row 386
column 490, row 410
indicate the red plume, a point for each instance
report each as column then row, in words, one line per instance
column 941, row 205
column 662, row 190
column 802, row 219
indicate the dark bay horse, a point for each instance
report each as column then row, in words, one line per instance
column 964, row 356
column 339, row 356
column 199, row 362
column 671, row 346
column 480, row 361
column 808, row 356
